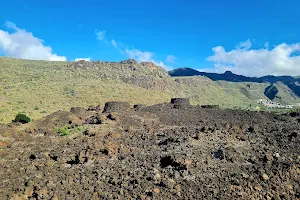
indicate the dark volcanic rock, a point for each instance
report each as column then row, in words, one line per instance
column 156, row 152
column 94, row 108
column 180, row 101
column 114, row 106
column 209, row 106
column 138, row 106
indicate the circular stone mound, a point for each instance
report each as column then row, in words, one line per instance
column 138, row 106
column 210, row 106
column 180, row 101
column 114, row 106
column 94, row 108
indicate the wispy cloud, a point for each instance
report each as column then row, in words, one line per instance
column 266, row 45
column 23, row 44
column 170, row 58
column 139, row 55
column 86, row 59
column 244, row 45
column 281, row 60
column 100, row 34
column 114, row 43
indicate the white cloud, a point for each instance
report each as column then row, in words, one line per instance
column 208, row 70
column 281, row 60
column 23, row 44
column 145, row 56
column 100, row 34
column 170, row 58
column 139, row 55
column 86, row 59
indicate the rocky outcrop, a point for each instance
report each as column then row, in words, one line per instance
column 149, row 65
column 129, row 62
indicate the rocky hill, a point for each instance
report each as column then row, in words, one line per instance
column 42, row 87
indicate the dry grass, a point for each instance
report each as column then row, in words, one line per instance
column 39, row 88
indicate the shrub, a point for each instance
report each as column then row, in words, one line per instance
column 36, row 108
column 67, row 130
column 22, row 118
column 64, row 131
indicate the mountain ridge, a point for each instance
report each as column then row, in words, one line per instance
column 290, row 81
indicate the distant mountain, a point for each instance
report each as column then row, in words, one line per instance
column 227, row 76
column 292, row 82
column 295, row 86
column 284, row 79
column 184, row 72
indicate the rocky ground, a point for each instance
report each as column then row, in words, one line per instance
column 166, row 151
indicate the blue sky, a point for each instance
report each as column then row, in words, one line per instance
column 171, row 33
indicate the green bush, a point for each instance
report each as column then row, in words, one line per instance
column 64, row 131
column 67, row 130
column 22, row 118
column 36, row 108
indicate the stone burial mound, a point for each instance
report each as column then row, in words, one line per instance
column 114, row 106
column 180, row 102
column 167, row 151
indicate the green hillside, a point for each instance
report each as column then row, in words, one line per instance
column 42, row 87
column 255, row 91
column 202, row 90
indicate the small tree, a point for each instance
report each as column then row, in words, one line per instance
column 22, row 118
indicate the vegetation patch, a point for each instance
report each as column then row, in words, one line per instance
column 22, row 118
column 69, row 130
